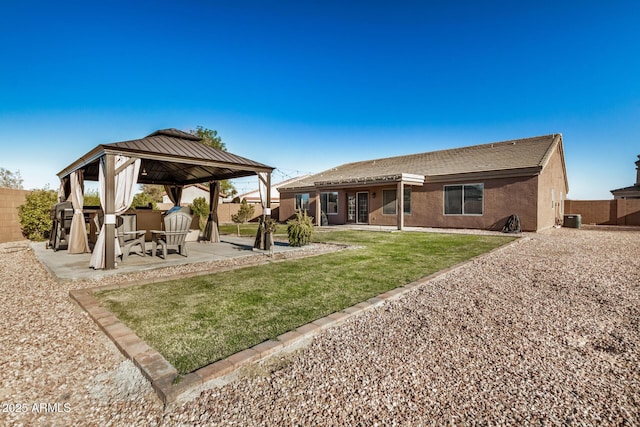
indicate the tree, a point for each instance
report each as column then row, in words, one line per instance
column 143, row 200
column 211, row 138
column 10, row 179
column 153, row 191
column 245, row 213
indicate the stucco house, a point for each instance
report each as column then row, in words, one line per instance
column 253, row 196
column 189, row 193
column 475, row 187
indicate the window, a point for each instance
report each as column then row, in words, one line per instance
column 302, row 201
column 329, row 203
column 389, row 204
column 463, row 199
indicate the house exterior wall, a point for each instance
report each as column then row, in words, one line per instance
column 502, row 197
column 552, row 192
column 288, row 202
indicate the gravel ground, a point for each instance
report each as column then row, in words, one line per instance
column 544, row 332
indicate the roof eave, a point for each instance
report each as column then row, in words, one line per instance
column 83, row 161
column 495, row 174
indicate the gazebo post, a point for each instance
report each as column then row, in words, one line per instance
column 109, row 214
column 400, row 204
column 267, row 237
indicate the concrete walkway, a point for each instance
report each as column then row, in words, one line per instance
column 65, row 266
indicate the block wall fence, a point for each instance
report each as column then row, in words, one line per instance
column 599, row 212
column 10, row 199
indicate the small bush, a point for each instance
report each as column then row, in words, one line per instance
column 35, row 214
column 200, row 207
column 300, row 229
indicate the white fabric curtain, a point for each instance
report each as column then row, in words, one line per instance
column 125, row 181
column 262, row 188
column 61, row 195
column 78, row 242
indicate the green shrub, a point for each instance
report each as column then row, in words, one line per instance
column 200, row 207
column 92, row 198
column 142, row 200
column 35, row 214
column 300, row 229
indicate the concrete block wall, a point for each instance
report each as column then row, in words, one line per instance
column 605, row 212
column 10, row 199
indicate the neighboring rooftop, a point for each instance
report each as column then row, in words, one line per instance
column 520, row 156
column 631, row 192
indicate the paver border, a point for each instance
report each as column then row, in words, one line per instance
column 173, row 389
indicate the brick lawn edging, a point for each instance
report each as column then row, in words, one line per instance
column 173, row 389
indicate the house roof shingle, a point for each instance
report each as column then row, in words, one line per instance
column 527, row 155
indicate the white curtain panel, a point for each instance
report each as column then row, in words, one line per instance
column 262, row 188
column 61, row 197
column 78, row 242
column 125, row 182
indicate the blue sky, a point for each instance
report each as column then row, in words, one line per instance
column 304, row 86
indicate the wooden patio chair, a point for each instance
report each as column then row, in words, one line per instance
column 129, row 236
column 176, row 229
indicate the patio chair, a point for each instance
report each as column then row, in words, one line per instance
column 129, row 236
column 176, row 228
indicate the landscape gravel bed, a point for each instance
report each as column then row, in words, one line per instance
column 545, row 331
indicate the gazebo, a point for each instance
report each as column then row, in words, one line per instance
column 166, row 157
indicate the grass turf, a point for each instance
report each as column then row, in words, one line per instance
column 195, row 321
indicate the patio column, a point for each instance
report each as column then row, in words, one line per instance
column 400, row 204
column 267, row 211
column 318, row 208
column 109, row 213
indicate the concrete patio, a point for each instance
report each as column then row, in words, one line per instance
column 65, row 266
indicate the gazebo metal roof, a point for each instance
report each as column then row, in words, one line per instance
column 171, row 157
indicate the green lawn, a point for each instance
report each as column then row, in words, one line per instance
column 249, row 229
column 195, row 321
